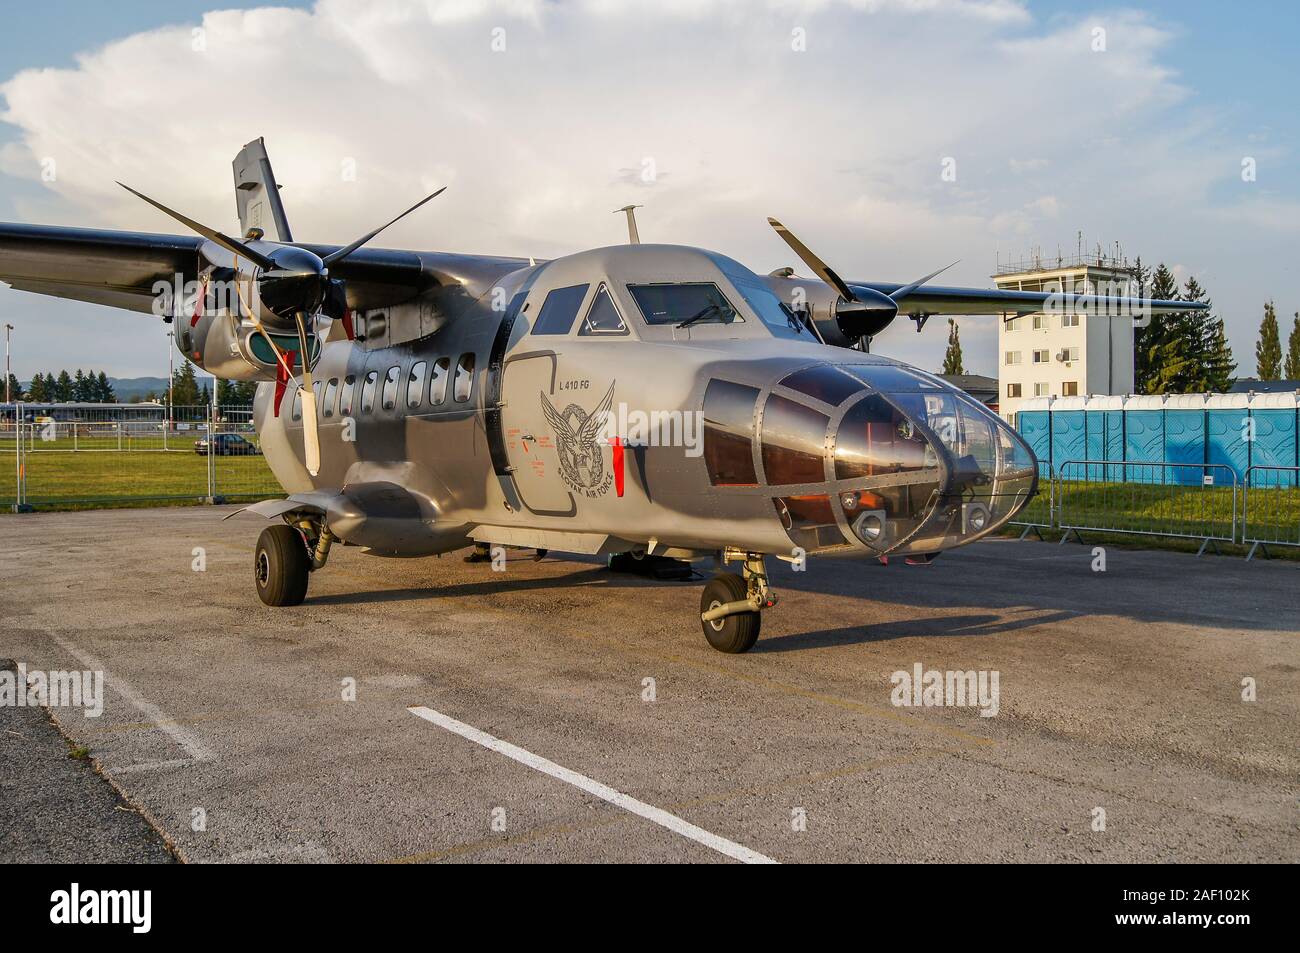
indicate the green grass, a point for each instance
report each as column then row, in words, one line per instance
column 59, row 478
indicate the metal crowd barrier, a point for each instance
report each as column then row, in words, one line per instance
column 1040, row 513
column 1177, row 500
column 1270, row 514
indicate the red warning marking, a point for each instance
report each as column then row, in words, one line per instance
column 347, row 325
column 617, row 444
column 281, row 378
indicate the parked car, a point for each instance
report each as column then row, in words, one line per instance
column 226, row 445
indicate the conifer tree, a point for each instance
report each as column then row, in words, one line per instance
column 1268, row 350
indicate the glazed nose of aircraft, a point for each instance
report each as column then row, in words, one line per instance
column 906, row 463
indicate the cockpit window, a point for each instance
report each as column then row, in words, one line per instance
column 890, row 378
column 771, row 310
column 824, row 382
column 559, row 310
column 794, row 442
column 696, row 302
column 876, row 438
column 602, row 316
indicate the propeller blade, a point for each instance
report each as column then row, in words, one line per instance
column 346, row 250
column 234, row 246
column 819, row 267
column 310, row 433
column 906, row 290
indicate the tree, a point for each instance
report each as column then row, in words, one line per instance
column 1293, row 351
column 83, row 388
column 1141, row 275
column 1211, row 366
column 1169, row 351
column 1219, row 364
column 185, row 388
column 1268, row 350
column 235, row 393
column 63, row 391
column 36, row 391
column 952, row 357
column 104, row 390
column 15, row 389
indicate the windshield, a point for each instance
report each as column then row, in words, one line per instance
column 771, row 310
column 698, row 302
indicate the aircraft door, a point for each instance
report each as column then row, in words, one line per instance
column 531, row 446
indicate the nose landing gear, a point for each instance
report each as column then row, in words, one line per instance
column 730, row 605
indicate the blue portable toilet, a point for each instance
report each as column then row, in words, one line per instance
column 1185, row 437
column 1227, row 431
column 1144, row 438
column 1104, row 422
column 1274, row 417
column 1069, row 435
column 1034, row 421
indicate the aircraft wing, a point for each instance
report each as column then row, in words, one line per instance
column 930, row 299
column 96, row 265
column 119, row 268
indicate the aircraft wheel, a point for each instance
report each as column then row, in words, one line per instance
column 732, row 634
column 280, row 566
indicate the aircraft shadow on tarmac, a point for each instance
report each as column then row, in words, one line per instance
column 1026, row 593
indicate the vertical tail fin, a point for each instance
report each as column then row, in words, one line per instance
column 257, row 196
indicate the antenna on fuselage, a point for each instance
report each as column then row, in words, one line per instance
column 632, row 237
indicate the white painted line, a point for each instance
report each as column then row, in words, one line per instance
column 602, row 791
column 193, row 745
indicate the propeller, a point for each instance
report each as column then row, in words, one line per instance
column 860, row 312
column 292, row 284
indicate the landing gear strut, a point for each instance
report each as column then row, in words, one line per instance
column 731, row 603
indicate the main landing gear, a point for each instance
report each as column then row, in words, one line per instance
column 731, row 603
column 284, row 558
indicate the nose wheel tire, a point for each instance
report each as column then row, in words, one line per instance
column 281, row 566
column 732, row 634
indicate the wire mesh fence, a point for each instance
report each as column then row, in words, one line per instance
column 180, row 454
column 1271, row 509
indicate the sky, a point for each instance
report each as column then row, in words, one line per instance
column 1121, row 122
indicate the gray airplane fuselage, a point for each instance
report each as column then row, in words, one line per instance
column 560, row 405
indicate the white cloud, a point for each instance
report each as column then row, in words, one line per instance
column 540, row 141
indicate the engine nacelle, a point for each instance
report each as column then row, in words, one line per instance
column 211, row 332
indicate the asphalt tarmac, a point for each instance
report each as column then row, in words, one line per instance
column 430, row 710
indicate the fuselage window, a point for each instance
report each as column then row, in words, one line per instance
column 297, row 404
column 602, row 316
column 331, row 391
column 346, row 398
column 368, row 392
column 390, row 387
column 438, row 383
column 696, row 302
column 415, row 384
column 464, row 377
column 559, row 310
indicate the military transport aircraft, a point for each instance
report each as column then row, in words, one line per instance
column 626, row 401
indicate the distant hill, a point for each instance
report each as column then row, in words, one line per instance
column 131, row 388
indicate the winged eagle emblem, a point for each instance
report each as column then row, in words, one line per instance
column 582, row 460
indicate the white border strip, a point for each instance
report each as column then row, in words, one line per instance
column 602, row 791
column 190, row 742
